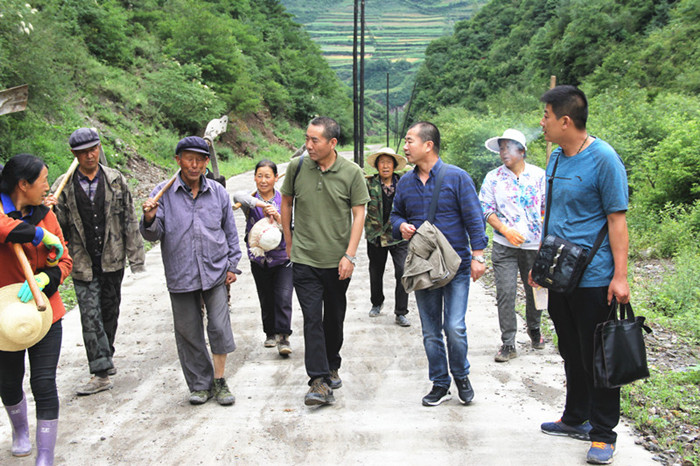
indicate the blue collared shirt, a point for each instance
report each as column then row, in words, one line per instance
column 9, row 206
column 199, row 241
column 458, row 214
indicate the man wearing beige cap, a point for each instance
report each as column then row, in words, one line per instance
column 380, row 242
column 97, row 216
column 513, row 199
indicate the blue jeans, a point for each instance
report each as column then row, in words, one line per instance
column 445, row 308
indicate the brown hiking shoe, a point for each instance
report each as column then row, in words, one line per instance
column 270, row 341
column 506, row 353
column 283, row 346
column 95, row 385
column 335, row 380
column 319, row 394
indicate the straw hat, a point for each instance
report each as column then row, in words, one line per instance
column 512, row 134
column 21, row 324
column 400, row 159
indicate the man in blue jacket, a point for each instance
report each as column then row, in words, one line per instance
column 458, row 216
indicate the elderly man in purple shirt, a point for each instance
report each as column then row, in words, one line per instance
column 199, row 243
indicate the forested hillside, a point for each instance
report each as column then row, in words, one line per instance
column 639, row 63
column 636, row 59
column 145, row 73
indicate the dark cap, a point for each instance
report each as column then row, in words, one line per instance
column 82, row 138
column 193, row 144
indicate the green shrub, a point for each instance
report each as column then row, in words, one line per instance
column 176, row 93
column 659, row 233
column 672, row 299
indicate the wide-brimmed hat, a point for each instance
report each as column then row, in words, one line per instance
column 83, row 138
column 400, row 159
column 512, row 134
column 21, row 324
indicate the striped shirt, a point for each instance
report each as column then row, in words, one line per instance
column 458, row 214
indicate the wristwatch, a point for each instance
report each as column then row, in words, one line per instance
column 352, row 259
column 479, row 259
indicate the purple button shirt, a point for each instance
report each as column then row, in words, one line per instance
column 199, row 241
column 277, row 256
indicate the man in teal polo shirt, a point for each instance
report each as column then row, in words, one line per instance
column 328, row 195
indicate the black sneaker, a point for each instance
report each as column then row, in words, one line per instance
column 436, row 396
column 536, row 339
column 464, row 390
column 319, row 394
column 335, row 380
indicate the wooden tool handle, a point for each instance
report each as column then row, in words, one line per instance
column 163, row 190
column 66, row 178
column 29, row 275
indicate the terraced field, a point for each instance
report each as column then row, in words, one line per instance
column 394, row 32
column 396, row 29
column 397, row 34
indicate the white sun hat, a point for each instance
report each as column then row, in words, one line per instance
column 512, row 134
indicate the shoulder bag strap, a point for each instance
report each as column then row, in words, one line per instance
column 550, row 182
column 436, row 192
column 601, row 234
column 296, row 173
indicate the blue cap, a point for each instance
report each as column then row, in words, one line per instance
column 193, row 144
column 83, row 138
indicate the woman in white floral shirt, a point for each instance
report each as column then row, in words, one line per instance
column 513, row 200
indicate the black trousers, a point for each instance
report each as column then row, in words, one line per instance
column 377, row 262
column 321, row 295
column 43, row 360
column 575, row 317
column 274, row 285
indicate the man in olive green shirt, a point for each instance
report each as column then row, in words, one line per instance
column 328, row 195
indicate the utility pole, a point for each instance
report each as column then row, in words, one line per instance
column 361, row 161
column 387, row 109
column 355, row 101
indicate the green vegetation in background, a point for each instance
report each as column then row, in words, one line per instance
column 147, row 74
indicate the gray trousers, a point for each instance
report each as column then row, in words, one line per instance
column 99, row 302
column 506, row 264
column 195, row 361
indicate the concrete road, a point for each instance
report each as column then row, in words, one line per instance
column 377, row 419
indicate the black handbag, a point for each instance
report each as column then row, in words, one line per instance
column 619, row 354
column 559, row 264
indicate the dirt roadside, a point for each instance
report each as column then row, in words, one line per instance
column 377, row 419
